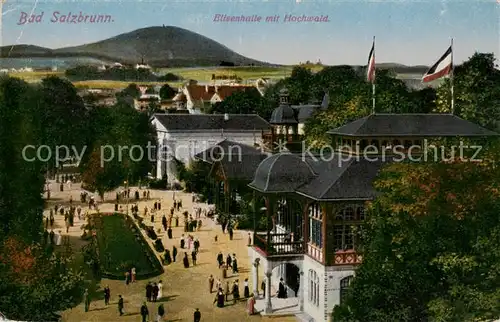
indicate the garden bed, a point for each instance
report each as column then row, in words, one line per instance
column 122, row 246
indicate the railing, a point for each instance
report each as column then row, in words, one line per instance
column 347, row 257
column 278, row 244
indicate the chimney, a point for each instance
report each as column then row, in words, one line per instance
column 226, row 116
column 206, row 88
column 216, row 88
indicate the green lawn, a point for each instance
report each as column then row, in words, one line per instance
column 121, row 246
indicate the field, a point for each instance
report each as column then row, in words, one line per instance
column 202, row 74
column 121, row 248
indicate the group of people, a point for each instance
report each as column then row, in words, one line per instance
column 231, row 262
column 154, row 291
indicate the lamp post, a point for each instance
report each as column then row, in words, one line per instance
column 126, row 192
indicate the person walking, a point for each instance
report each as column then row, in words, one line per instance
column 120, row 305
column 174, row 253
column 86, row 298
column 197, row 315
column 193, row 257
column 107, row 295
column 144, row 312
column 133, row 274
column 211, row 283
column 161, row 313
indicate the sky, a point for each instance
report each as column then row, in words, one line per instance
column 410, row 32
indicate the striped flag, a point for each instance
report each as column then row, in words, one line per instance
column 441, row 68
column 370, row 70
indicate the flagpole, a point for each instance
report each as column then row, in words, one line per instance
column 451, row 81
column 373, row 82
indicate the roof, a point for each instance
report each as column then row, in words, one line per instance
column 206, row 92
column 243, row 169
column 342, row 179
column 306, row 111
column 283, row 114
column 227, row 149
column 282, row 172
column 199, row 122
column 179, row 97
column 225, row 91
column 238, row 161
column 421, row 125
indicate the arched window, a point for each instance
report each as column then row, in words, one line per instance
column 313, row 287
column 315, row 225
column 344, row 287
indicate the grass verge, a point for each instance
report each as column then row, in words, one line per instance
column 122, row 246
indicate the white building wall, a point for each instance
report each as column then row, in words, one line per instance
column 184, row 145
column 316, row 312
column 332, row 291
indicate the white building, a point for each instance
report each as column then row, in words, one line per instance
column 181, row 136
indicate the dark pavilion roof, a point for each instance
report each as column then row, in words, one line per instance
column 283, row 114
column 238, row 161
column 283, row 172
column 201, row 122
column 342, row 179
column 243, row 168
column 227, row 149
column 306, row 111
column 422, row 125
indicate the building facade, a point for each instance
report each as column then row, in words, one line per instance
column 181, row 136
column 315, row 204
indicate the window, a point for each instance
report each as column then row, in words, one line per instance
column 360, row 213
column 344, row 287
column 313, row 287
column 315, row 225
column 344, row 228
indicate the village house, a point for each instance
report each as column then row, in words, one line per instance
column 314, row 204
column 200, row 97
column 182, row 136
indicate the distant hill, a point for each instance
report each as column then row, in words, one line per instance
column 158, row 46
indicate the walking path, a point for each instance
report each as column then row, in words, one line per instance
column 184, row 289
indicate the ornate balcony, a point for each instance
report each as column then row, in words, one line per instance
column 277, row 245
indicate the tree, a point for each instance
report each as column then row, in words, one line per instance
column 150, row 90
column 122, row 136
column 432, row 238
column 476, row 91
column 240, row 102
column 44, row 281
column 131, row 90
column 167, row 92
column 65, row 109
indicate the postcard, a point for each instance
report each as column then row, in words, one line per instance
column 218, row 160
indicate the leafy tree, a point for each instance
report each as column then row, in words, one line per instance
column 46, row 284
column 167, row 92
column 63, row 107
column 196, row 178
column 476, row 91
column 132, row 90
column 430, row 248
column 34, row 282
column 126, row 132
column 150, row 90
column 240, row 102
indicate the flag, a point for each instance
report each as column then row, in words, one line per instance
column 370, row 71
column 441, row 68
